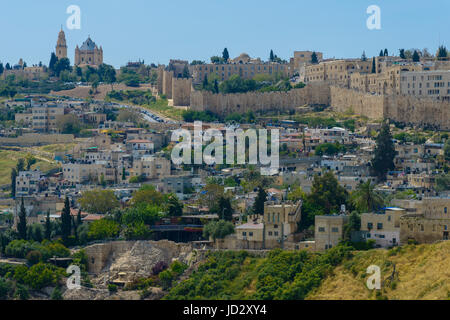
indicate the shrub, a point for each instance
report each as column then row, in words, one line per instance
column 112, row 288
column 33, row 257
column 166, row 278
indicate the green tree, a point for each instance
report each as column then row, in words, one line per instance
column 327, row 193
column 381, row 53
column 363, row 56
column 441, row 53
column 30, row 160
column 22, row 224
column 52, row 63
column 416, row 57
column 402, row 53
column 2, row 69
column 48, row 227
column 218, row 229
column 103, row 229
column 374, row 65
column 175, row 207
column 271, row 57
column 447, row 150
column 66, row 221
column 13, row 182
column 383, row 160
column 79, row 220
column 386, row 52
column 314, row 59
column 261, row 198
column 225, row 55
column 225, row 209
column 99, row 201
column 365, row 198
column 61, row 65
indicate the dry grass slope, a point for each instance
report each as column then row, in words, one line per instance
column 423, row 274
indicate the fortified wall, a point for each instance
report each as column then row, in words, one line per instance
column 401, row 108
column 223, row 104
column 181, row 91
column 36, row 139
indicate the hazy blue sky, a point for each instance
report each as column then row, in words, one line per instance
column 158, row 30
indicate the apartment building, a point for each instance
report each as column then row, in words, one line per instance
column 329, row 231
column 29, row 183
column 151, row 167
column 46, row 115
column 383, row 227
column 431, row 84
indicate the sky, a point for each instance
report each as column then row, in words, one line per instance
column 159, row 30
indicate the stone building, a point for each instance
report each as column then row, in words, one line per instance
column 88, row 54
column 329, row 231
column 426, row 221
column 382, row 227
column 244, row 66
column 61, row 45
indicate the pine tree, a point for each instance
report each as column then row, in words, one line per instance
column 48, row 227
column 271, row 55
column 53, row 61
column 225, row 55
column 261, row 198
column 402, row 53
column 441, row 54
column 363, row 56
column 381, row 53
column 386, row 52
column 374, row 66
column 416, row 57
column 314, row 59
column 66, row 220
column 22, row 224
column 383, row 160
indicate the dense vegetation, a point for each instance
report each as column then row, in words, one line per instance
column 239, row 275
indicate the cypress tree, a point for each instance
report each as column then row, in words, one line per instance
column 225, row 55
column 381, row 53
column 374, row 66
column 79, row 221
column 386, row 52
column 271, row 55
column 225, row 209
column 314, row 59
column 66, row 221
column 416, row 57
column 22, row 224
column 13, row 182
column 48, row 227
column 383, row 160
column 261, row 198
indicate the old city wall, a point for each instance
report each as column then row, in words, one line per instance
column 419, row 111
column 223, row 104
column 406, row 109
column 181, row 91
column 346, row 100
column 167, row 84
column 35, row 139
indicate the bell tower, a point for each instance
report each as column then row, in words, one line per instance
column 61, row 45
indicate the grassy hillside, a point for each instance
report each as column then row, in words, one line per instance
column 9, row 158
column 239, row 275
column 340, row 273
column 422, row 273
